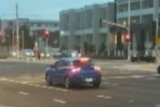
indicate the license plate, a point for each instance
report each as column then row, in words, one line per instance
column 88, row 79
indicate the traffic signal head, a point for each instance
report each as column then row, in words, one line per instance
column 128, row 38
column 45, row 33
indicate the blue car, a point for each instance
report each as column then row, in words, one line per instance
column 73, row 71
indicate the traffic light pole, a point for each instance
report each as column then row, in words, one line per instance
column 128, row 31
column 129, row 21
column 46, row 44
column 17, row 32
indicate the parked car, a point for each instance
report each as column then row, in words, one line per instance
column 26, row 53
column 141, row 57
column 70, row 53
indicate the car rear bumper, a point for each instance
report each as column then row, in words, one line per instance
column 79, row 80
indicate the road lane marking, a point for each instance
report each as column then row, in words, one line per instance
column 104, row 97
column 23, row 93
column 5, row 106
column 138, row 76
column 151, row 78
column 59, row 101
column 158, row 105
column 115, row 84
column 34, row 85
column 131, row 101
column 106, row 83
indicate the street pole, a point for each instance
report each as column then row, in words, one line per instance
column 46, row 44
column 156, row 14
column 22, row 39
column 13, row 42
column 17, row 31
column 129, row 22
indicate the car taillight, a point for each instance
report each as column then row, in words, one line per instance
column 97, row 68
column 73, row 70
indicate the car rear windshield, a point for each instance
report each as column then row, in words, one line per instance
column 80, row 63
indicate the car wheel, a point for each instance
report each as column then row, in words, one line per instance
column 96, row 85
column 48, row 80
column 67, row 83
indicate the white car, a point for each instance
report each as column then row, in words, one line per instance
column 26, row 53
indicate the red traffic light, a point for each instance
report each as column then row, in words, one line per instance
column 127, row 38
column 45, row 33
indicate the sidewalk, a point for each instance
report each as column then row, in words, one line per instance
column 141, row 67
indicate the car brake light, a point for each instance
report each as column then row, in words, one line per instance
column 97, row 68
column 73, row 70
column 84, row 59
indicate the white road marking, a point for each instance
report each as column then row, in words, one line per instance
column 158, row 105
column 33, row 85
column 104, row 97
column 24, row 82
column 115, row 84
column 59, row 101
column 5, row 106
column 138, row 76
column 106, row 83
column 151, row 78
column 131, row 101
column 23, row 93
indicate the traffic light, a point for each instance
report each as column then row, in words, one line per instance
column 45, row 33
column 127, row 38
column 100, row 22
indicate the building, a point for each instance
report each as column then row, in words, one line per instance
column 37, row 27
column 28, row 30
column 82, row 25
column 143, row 14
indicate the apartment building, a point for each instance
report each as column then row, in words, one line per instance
column 79, row 25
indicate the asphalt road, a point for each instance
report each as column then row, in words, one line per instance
column 23, row 85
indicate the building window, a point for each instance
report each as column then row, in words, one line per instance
column 55, row 25
column 38, row 24
column 135, row 6
column 147, row 3
column 123, row 8
column 147, row 18
column 135, row 19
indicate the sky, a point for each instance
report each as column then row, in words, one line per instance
column 41, row 9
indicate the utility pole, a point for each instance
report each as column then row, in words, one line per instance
column 13, row 41
column 129, row 24
column 17, row 31
column 156, row 18
column 22, row 39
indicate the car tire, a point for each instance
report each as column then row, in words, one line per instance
column 67, row 83
column 96, row 85
column 48, row 80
